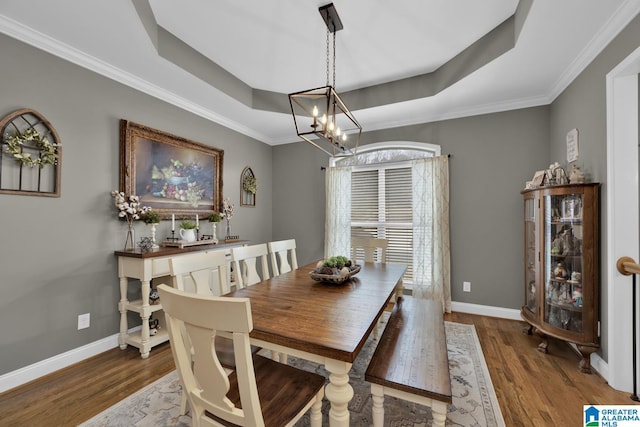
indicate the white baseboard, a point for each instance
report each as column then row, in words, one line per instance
column 600, row 366
column 52, row 364
column 597, row 363
column 486, row 310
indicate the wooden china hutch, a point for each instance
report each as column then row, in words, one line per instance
column 561, row 255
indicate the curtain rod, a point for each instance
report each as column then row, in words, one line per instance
column 322, row 168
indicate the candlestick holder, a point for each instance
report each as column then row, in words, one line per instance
column 173, row 237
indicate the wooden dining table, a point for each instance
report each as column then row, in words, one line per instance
column 323, row 323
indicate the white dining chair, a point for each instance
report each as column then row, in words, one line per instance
column 283, row 260
column 283, row 256
column 246, row 260
column 260, row 392
column 369, row 249
column 204, row 273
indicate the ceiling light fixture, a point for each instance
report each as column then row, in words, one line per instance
column 320, row 116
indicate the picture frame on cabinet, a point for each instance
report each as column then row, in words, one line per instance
column 538, row 178
column 170, row 174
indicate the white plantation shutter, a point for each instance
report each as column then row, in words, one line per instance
column 382, row 204
column 382, row 208
column 364, row 196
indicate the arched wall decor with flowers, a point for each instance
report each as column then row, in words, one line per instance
column 248, row 187
column 30, row 155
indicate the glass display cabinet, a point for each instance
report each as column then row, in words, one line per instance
column 561, row 271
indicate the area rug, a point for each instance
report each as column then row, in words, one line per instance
column 474, row 399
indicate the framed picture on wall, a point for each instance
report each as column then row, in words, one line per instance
column 171, row 174
column 248, row 187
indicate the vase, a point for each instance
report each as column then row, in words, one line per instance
column 188, row 234
column 228, row 228
column 214, row 237
column 153, row 236
column 130, row 242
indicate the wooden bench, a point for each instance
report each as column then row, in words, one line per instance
column 411, row 361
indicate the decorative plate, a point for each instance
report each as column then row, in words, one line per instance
column 334, row 279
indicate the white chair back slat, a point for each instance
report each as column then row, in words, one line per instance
column 283, row 256
column 246, row 260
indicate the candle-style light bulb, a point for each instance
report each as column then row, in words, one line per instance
column 331, row 126
column 314, row 113
column 344, row 136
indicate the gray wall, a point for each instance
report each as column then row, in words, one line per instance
column 299, row 197
column 492, row 156
column 56, row 254
column 583, row 106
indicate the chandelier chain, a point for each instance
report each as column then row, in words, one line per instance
column 334, row 59
column 327, row 57
column 319, row 114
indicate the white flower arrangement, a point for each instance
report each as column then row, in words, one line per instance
column 129, row 208
column 227, row 208
column 16, row 143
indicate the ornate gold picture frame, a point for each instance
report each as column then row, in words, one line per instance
column 171, row 174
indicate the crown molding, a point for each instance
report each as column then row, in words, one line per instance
column 476, row 110
column 41, row 41
column 625, row 13
column 616, row 23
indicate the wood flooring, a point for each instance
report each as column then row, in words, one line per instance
column 533, row 389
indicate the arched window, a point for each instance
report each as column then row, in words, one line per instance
column 381, row 195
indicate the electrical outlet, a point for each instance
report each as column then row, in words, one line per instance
column 84, row 321
column 466, row 286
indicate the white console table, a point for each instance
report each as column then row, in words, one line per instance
column 144, row 266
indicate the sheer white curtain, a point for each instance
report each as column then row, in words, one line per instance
column 431, row 248
column 337, row 239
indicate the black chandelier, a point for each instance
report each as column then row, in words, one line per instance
column 320, row 116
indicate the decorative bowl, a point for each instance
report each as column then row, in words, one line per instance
column 334, row 279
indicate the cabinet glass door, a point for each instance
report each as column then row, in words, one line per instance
column 531, row 255
column 563, row 261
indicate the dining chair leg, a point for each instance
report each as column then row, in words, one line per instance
column 279, row 357
column 315, row 416
column 183, row 403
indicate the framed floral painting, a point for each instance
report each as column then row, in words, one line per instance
column 172, row 175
